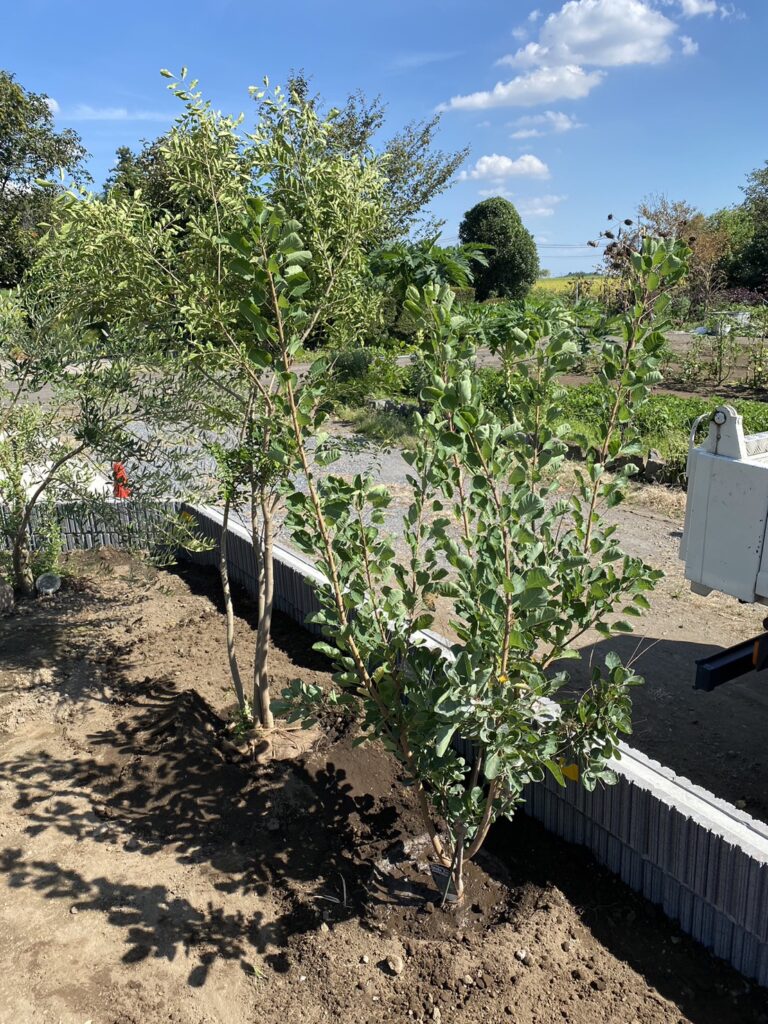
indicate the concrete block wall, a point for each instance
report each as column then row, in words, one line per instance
column 699, row 858
column 704, row 862
column 295, row 577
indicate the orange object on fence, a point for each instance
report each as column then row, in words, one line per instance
column 120, row 488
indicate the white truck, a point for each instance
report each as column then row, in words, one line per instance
column 724, row 538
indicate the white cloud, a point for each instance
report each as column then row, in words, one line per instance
column 534, row 206
column 85, row 112
column 52, row 104
column 600, row 33
column 414, row 61
column 550, row 122
column 577, row 43
column 499, row 168
column 539, row 206
column 534, row 15
column 520, row 33
column 691, row 8
column 544, row 85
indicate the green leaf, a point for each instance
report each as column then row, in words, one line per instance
column 556, row 772
column 492, row 765
column 443, row 738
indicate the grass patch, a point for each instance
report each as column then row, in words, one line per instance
column 377, row 425
column 664, row 422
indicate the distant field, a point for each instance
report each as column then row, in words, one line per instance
column 559, row 285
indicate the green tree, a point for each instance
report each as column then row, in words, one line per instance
column 269, row 220
column 30, row 151
column 414, row 169
column 61, row 449
column 736, row 225
column 145, row 170
column 425, row 262
column 529, row 568
column 513, row 263
column 750, row 268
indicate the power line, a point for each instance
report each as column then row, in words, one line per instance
column 568, row 245
column 548, row 245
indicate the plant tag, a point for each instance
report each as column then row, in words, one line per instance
column 440, row 876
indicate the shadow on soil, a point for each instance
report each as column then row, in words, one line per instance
column 706, row 990
column 159, row 783
column 660, row 660
column 716, row 739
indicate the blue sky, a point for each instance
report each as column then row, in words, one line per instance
column 572, row 110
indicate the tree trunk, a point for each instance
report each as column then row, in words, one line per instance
column 21, row 554
column 263, row 547
column 234, row 669
column 458, row 872
column 23, row 578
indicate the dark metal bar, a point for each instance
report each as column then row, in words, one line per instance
column 748, row 656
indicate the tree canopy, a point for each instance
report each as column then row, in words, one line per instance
column 31, row 150
column 513, row 262
column 414, row 170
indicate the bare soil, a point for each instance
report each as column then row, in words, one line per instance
column 152, row 871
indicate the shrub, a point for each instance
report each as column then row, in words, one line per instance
column 527, row 572
column 513, row 263
column 417, row 377
column 360, row 373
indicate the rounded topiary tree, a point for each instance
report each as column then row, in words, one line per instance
column 513, row 264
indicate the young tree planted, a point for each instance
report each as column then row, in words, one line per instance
column 188, row 279
column 66, row 414
column 528, row 566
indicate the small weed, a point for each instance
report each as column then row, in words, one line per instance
column 242, row 719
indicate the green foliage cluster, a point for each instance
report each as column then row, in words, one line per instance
column 426, row 262
column 663, row 423
column 747, row 225
column 358, row 374
column 513, row 262
column 50, row 451
column 31, row 151
column 527, row 571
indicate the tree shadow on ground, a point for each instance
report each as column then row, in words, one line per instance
column 158, row 780
column 53, row 635
column 204, row 581
column 716, row 739
column 660, row 661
